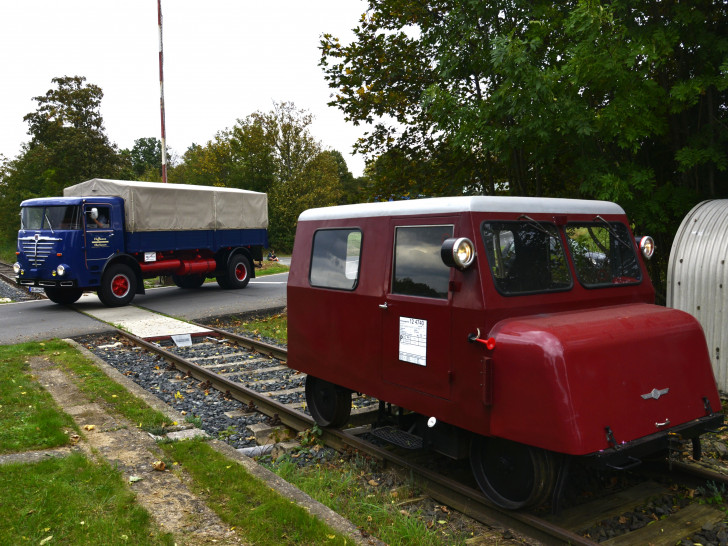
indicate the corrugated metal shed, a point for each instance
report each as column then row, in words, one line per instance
column 697, row 277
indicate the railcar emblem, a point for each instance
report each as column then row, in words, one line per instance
column 655, row 393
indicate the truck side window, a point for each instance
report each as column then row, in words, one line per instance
column 526, row 257
column 335, row 258
column 99, row 220
column 603, row 254
column 418, row 267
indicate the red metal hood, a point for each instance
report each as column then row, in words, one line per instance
column 560, row 380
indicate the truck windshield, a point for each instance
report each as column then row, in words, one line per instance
column 603, row 253
column 53, row 217
column 526, row 257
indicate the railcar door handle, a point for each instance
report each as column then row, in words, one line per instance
column 383, row 305
column 664, row 424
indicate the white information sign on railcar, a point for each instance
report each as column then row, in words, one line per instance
column 413, row 340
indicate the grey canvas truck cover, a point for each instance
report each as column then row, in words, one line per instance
column 154, row 206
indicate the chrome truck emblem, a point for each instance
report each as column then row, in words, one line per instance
column 655, row 393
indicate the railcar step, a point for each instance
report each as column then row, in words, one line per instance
column 398, row 437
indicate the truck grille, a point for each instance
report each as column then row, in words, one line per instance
column 37, row 248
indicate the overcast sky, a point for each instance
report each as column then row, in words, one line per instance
column 223, row 60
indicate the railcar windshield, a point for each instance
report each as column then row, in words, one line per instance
column 603, row 253
column 60, row 217
column 526, row 257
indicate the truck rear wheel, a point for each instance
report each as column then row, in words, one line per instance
column 118, row 286
column 188, row 281
column 63, row 295
column 237, row 272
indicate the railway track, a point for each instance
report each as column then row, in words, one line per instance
column 254, row 373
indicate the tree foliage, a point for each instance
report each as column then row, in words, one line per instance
column 622, row 100
column 272, row 152
column 68, row 145
column 145, row 160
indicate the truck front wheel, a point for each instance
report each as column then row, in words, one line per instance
column 63, row 295
column 118, row 286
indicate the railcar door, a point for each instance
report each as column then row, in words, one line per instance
column 416, row 313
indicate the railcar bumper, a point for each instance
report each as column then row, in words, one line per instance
column 629, row 454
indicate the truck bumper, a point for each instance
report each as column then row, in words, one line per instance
column 65, row 283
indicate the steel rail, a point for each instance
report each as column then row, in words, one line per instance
column 260, row 346
column 447, row 491
column 288, row 416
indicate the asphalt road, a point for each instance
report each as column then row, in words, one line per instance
column 41, row 319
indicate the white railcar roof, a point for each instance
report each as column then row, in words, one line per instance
column 451, row 205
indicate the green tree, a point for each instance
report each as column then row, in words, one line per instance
column 316, row 185
column 272, row 152
column 68, row 145
column 619, row 100
column 145, row 159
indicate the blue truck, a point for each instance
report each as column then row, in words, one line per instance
column 108, row 236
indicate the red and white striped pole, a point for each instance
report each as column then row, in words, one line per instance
column 161, row 93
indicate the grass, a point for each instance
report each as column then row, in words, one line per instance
column 29, row 418
column 260, row 515
column 71, row 501
column 7, row 251
column 271, row 268
column 96, row 385
column 347, row 488
column 97, row 508
column 274, row 327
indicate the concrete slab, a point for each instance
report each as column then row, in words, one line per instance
column 141, row 322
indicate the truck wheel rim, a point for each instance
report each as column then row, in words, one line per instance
column 120, row 286
column 241, row 272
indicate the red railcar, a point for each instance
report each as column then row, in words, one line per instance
column 523, row 328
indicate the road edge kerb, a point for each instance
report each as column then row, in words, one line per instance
column 333, row 519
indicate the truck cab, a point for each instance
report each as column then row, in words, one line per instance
column 516, row 331
column 64, row 243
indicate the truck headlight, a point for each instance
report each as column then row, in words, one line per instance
column 61, row 270
column 647, row 246
column 458, row 252
column 16, row 268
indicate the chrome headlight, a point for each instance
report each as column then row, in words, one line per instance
column 61, row 270
column 647, row 246
column 16, row 268
column 458, row 252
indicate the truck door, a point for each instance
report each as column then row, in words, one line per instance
column 99, row 236
column 416, row 323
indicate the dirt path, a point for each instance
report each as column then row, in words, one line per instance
column 172, row 505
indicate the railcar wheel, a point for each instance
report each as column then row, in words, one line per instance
column 188, row 281
column 512, row 475
column 329, row 404
column 118, row 286
column 62, row 295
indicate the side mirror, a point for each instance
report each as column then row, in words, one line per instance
column 93, row 213
column 458, row 252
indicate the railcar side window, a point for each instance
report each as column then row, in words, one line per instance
column 603, row 254
column 335, row 258
column 418, row 267
column 526, row 257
